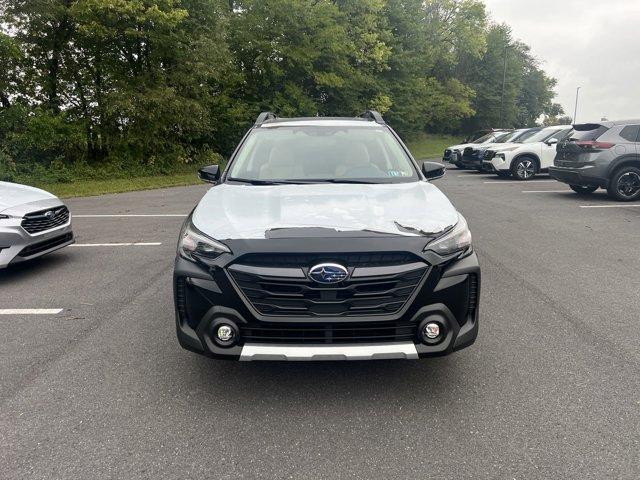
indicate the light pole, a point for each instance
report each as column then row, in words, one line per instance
column 575, row 111
column 504, row 80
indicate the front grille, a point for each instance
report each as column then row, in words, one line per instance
column 45, row 245
column 489, row 154
column 370, row 290
column 361, row 332
column 306, row 260
column 468, row 152
column 45, row 220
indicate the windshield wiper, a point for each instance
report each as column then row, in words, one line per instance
column 301, row 181
column 341, row 180
column 253, row 181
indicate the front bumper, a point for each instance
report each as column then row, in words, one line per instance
column 16, row 245
column 471, row 162
column 453, row 157
column 578, row 176
column 495, row 165
column 284, row 352
column 206, row 296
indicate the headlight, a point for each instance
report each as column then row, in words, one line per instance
column 193, row 244
column 455, row 240
column 3, row 217
column 500, row 155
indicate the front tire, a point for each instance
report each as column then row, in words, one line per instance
column 583, row 189
column 524, row 168
column 625, row 184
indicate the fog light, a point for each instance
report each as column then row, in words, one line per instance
column 431, row 330
column 225, row 333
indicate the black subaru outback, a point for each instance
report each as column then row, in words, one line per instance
column 324, row 240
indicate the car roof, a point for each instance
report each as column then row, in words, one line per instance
column 611, row 123
column 633, row 121
column 319, row 122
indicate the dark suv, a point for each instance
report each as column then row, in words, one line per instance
column 324, row 240
column 602, row 154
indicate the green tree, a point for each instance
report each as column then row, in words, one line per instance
column 10, row 57
column 427, row 41
column 126, row 85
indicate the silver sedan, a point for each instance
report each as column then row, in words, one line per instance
column 32, row 223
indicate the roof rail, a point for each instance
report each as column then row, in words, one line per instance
column 374, row 116
column 263, row 117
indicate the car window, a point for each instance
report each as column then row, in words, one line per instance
column 504, row 137
column 322, row 153
column 563, row 134
column 587, row 132
column 525, row 135
column 542, row 135
column 630, row 133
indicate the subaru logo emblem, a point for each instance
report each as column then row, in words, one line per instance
column 328, row 273
column 50, row 214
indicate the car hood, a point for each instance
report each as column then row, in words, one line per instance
column 498, row 147
column 492, row 146
column 461, row 146
column 230, row 211
column 13, row 196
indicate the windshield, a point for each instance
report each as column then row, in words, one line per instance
column 485, row 138
column 339, row 154
column 524, row 135
column 505, row 137
column 542, row 135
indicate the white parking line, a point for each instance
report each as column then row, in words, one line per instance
column 611, row 206
column 546, row 191
column 30, row 311
column 132, row 215
column 129, row 244
column 478, row 175
column 502, row 182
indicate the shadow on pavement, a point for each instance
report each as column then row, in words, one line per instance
column 321, row 382
column 32, row 269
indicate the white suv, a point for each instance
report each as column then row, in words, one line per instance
column 524, row 160
column 453, row 154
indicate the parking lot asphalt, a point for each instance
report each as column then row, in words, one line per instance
column 551, row 389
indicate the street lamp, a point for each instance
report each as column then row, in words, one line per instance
column 575, row 111
column 504, row 80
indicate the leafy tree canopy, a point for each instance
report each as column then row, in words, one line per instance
column 161, row 82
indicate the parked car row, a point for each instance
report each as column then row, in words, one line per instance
column 585, row 156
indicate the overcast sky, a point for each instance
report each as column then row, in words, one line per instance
column 591, row 44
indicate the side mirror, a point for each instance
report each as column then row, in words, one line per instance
column 210, row 174
column 552, row 141
column 433, row 170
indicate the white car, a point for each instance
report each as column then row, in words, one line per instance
column 525, row 160
column 472, row 156
column 32, row 223
column 453, row 154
